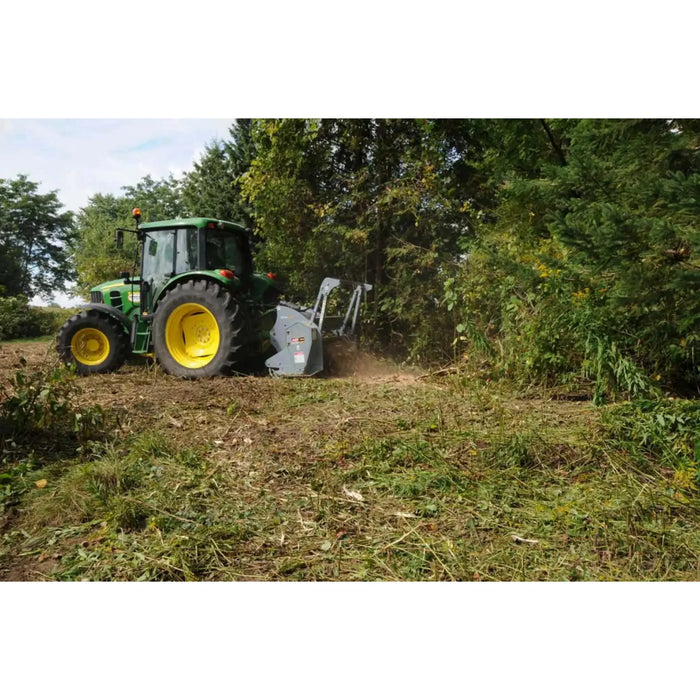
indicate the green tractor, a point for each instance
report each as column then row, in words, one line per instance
column 201, row 309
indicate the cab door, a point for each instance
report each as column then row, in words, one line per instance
column 167, row 252
column 158, row 264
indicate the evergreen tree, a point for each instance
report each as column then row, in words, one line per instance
column 213, row 187
column 594, row 234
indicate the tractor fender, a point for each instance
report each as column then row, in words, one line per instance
column 206, row 275
column 111, row 311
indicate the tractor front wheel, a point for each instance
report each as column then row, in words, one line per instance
column 198, row 330
column 93, row 341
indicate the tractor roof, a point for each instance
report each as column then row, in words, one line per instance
column 196, row 222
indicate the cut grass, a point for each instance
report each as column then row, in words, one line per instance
column 387, row 478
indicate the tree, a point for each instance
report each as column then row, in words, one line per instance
column 158, row 199
column 379, row 200
column 213, row 187
column 34, row 240
column 556, row 248
column 96, row 256
column 589, row 262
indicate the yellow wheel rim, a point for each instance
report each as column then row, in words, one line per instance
column 90, row 346
column 192, row 335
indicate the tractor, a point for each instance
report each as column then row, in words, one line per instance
column 200, row 308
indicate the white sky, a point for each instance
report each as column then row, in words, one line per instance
column 80, row 157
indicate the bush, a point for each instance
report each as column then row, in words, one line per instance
column 43, row 400
column 37, row 400
column 37, row 413
column 588, row 266
column 19, row 320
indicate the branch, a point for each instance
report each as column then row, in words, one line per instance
column 555, row 145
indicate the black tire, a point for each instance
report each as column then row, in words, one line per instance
column 230, row 319
column 91, row 319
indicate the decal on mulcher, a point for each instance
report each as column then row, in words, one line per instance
column 299, row 358
column 298, row 340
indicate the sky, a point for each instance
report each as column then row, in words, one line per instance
column 80, row 157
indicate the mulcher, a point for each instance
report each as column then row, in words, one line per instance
column 201, row 309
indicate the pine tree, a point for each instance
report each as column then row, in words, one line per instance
column 213, row 187
column 594, row 232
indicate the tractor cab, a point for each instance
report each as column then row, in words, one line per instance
column 219, row 249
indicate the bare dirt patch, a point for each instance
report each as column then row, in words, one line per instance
column 35, row 354
column 344, row 361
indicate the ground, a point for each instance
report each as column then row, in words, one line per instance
column 377, row 473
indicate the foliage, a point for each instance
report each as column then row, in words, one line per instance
column 20, row 320
column 37, row 411
column 157, row 199
column 38, row 399
column 34, row 235
column 587, row 263
column 377, row 200
column 557, row 251
column 96, row 256
column 666, row 429
column 213, row 186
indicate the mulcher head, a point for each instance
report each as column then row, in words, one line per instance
column 298, row 333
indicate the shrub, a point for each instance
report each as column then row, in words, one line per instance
column 37, row 414
column 19, row 320
column 43, row 399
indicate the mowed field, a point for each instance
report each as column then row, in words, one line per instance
column 376, row 473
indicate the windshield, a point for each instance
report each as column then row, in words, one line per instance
column 228, row 250
column 163, row 258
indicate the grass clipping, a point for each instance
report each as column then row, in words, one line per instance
column 381, row 476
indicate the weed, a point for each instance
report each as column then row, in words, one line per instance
column 37, row 399
column 665, row 430
column 38, row 419
column 445, row 479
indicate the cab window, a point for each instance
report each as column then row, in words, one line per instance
column 223, row 249
column 158, row 255
column 186, row 258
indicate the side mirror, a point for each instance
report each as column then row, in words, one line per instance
column 119, row 239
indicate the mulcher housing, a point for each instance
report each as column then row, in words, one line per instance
column 198, row 305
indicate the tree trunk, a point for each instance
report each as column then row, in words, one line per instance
column 381, row 164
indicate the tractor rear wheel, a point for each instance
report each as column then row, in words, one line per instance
column 94, row 341
column 199, row 330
